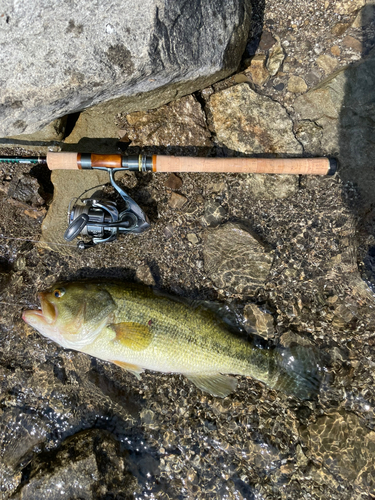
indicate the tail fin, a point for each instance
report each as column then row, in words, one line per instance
column 301, row 371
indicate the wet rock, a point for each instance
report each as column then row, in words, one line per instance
column 269, row 187
column 251, row 123
column 88, row 466
column 325, row 438
column 352, row 43
column 275, row 59
column 234, row 259
column 173, row 182
column 327, row 63
column 177, row 201
column 25, row 188
column 180, row 123
column 257, row 70
column 259, row 321
column 114, row 55
column 214, row 213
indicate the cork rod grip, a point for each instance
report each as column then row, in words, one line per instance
column 312, row 166
column 65, row 161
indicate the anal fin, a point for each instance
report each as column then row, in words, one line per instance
column 216, row 384
column 134, row 369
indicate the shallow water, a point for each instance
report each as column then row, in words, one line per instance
column 73, row 426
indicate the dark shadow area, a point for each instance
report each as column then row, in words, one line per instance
column 356, row 131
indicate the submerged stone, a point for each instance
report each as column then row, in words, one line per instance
column 234, row 259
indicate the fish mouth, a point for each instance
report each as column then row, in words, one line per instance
column 49, row 311
column 47, row 314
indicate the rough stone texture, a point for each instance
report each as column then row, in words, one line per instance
column 275, row 58
column 268, row 187
column 234, row 259
column 342, row 107
column 325, row 438
column 87, row 466
column 251, row 123
column 297, row 85
column 259, row 321
column 57, row 60
column 258, row 71
column 180, row 123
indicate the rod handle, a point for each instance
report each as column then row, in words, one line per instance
column 303, row 166
column 62, row 161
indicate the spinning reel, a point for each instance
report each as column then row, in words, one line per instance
column 100, row 219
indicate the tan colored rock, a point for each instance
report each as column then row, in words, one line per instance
column 275, row 58
column 173, row 182
column 234, row 259
column 177, row 201
column 327, row 63
column 270, row 187
column 296, row 84
column 257, row 70
column 261, row 321
column 335, row 50
column 346, row 7
column 251, row 123
column 180, row 123
column 352, row 43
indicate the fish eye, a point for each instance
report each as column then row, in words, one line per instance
column 59, row 292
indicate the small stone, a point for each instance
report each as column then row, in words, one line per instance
column 214, row 213
column 352, row 43
column 279, row 86
column 144, row 275
column 168, row 231
column 335, row 50
column 267, row 41
column 177, row 201
column 297, row 85
column 260, row 321
column 173, row 182
column 192, row 237
column 275, row 58
column 327, row 63
column 257, row 70
column 340, row 28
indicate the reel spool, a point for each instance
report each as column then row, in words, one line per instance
column 100, row 221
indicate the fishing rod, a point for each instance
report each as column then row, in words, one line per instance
column 102, row 221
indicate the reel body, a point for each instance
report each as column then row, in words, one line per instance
column 100, row 221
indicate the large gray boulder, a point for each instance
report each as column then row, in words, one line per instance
column 59, row 58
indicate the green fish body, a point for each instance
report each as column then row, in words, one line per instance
column 137, row 329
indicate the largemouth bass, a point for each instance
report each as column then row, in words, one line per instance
column 137, row 328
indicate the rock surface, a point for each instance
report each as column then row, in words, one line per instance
column 234, row 259
column 251, row 123
column 56, row 60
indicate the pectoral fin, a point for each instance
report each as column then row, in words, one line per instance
column 132, row 335
column 216, row 384
column 134, row 369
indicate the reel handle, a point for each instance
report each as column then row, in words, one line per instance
column 156, row 163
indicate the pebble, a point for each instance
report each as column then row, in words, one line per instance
column 173, row 182
column 327, row 63
column 296, row 85
column 177, row 201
